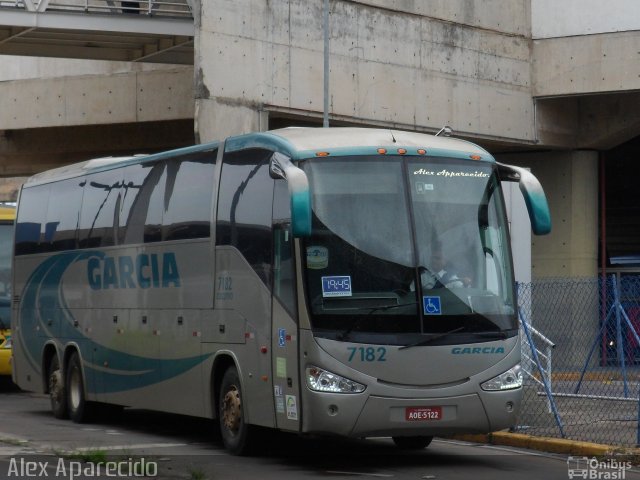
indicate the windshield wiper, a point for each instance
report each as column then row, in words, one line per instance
column 500, row 334
column 437, row 336
column 344, row 335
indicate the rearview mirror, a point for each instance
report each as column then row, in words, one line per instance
column 533, row 194
column 280, row 166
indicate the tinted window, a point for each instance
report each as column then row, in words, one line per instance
column 139, row 183
column 153, row 193
column 99, row 209
column 244, row 208
column 62, row 214
column 30, row 226
column 150, row 202
column 188, row 197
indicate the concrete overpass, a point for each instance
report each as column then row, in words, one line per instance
column 586, row 72
column 582, row 84
column 134, row 94
column 151, row 31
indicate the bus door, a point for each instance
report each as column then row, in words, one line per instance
column 284, row 348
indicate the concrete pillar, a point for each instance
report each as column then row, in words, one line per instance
column 216, row 119
column 570, row 180
column 564, row 294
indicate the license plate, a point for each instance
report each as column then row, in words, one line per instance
column 421, row 414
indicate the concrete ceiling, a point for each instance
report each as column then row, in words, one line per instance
column 159, row 37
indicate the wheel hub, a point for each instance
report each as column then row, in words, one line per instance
column 55, row 386
column 232, row 409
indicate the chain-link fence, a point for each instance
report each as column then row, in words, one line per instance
column 582, row 379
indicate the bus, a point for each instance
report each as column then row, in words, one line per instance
column 7, row 217
column 275, row 280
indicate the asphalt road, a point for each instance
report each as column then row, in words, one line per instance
column 33, row 444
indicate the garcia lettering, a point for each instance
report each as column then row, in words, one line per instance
column 476, row 350
column 141, row 271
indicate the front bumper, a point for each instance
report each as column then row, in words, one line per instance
column 362, row 415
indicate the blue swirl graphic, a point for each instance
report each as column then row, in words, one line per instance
column 43, row 308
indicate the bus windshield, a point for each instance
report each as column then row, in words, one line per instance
column 407, row 248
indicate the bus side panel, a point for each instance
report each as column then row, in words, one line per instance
column 147, row 357
column 158, row 346
column 242, row 299
column 286, row 369
column 28, row 338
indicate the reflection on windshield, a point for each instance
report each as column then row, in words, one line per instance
column 406, row 246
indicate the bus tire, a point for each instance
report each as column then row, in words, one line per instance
column 57, row 392
column 80, row 410
column 412, row 443
column 236, row 433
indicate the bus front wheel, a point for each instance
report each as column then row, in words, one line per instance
column 80, row 409
column 412, row 443
column 57, row 393
column 235, row 432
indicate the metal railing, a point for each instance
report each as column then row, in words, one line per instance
column 592, row 393
column 544, row 348
column 175, row 8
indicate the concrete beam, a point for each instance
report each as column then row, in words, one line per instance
column 588, row 122
column 140, row 96
column 586, row 64
column 24, row 152
column 100, row 23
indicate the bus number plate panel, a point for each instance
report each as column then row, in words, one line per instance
column 421, row 414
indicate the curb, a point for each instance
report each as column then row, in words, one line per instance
column 546, row 444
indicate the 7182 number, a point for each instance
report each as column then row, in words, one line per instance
column 367, row 354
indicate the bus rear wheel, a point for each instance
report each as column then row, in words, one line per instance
column 412, row 443
column 57, row 393
column 80, row 410
column 236, row 433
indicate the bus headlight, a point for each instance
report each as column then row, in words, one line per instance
column 321, row 380
column 508, row 380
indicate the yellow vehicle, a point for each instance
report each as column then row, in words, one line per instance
column 7, row 218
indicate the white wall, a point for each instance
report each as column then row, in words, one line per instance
column 564, row 18
column 520, row 228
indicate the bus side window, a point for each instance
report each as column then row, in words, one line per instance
column 188, row 197
column 63, row 214
column 245, row 208
column 31, row 222
column 135, row 194
column 153, row 192
column 100, row 207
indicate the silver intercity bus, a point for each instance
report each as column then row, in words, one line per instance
column 322, row 281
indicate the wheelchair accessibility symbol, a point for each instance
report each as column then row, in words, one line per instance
column 431, row 305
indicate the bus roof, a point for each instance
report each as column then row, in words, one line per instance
column 305, row 142
column 297, row 143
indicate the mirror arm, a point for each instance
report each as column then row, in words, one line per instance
column 280, row 166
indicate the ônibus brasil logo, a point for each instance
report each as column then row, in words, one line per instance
column 594, row 468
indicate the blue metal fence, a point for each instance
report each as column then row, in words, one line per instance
column 590, row 390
